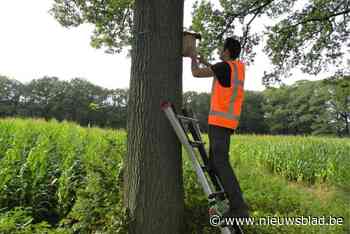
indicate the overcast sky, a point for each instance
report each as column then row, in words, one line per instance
column 33, row 45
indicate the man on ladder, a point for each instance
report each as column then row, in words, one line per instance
column 226, row 101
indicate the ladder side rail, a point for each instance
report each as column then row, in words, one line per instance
column 187, row 118
column 191, row 153
column 183, row 138
column 196, row 134
column 197, row 137
column 214, row 178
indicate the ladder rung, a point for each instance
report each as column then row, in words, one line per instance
column 187, row 118
column 204, row 168
column 196, row 143
column 178, row 122
column 220, row 194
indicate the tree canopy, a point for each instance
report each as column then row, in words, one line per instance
column 307, row 34
column 112, row 20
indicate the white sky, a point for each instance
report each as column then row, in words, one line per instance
column 33, row 45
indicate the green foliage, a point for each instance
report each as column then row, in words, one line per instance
column 63, row 174
column 319, row 107
column 308, row 159
column 300, row 34
column 61, row 178
column 49, row 98
column 19, row 220
column 306, row 107
column 252, row 118
column 306, row 34
column 112, row 20
column 311, row 37
column 337, row 94
column 209, row 23
column 10, row 91
column 98, row 205
column 271, row 196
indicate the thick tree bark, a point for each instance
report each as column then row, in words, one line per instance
column 153, row 189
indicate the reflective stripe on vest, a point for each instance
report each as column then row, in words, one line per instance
column 236, row 82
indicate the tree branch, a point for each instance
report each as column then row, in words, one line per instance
column 315, row 19
column 243, row 13
column 245, row 36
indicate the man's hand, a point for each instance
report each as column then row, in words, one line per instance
column 199, row 58
column 203, row 61
column 200, row 72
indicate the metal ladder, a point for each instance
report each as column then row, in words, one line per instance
column 213, row 188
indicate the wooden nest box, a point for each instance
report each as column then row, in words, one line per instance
column 189, row 43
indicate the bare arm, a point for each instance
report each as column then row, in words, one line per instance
column 201, row 72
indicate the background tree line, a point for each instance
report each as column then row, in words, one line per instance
column 77, row 100
column 306, row 107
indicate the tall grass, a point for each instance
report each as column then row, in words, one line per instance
column 61, row 178
column 60, row 174
column 308, row 159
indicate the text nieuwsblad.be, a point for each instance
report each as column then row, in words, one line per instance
column 216, row 220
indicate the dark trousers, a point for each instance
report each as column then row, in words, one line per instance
column 219, row 145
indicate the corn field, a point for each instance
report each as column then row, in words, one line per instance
column 308, row 159
column 61, row 178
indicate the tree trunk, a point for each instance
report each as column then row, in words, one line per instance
column 153, row 190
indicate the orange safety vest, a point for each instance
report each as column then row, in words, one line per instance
column 226, row 102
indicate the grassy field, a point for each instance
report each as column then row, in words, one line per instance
column 61, row 178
